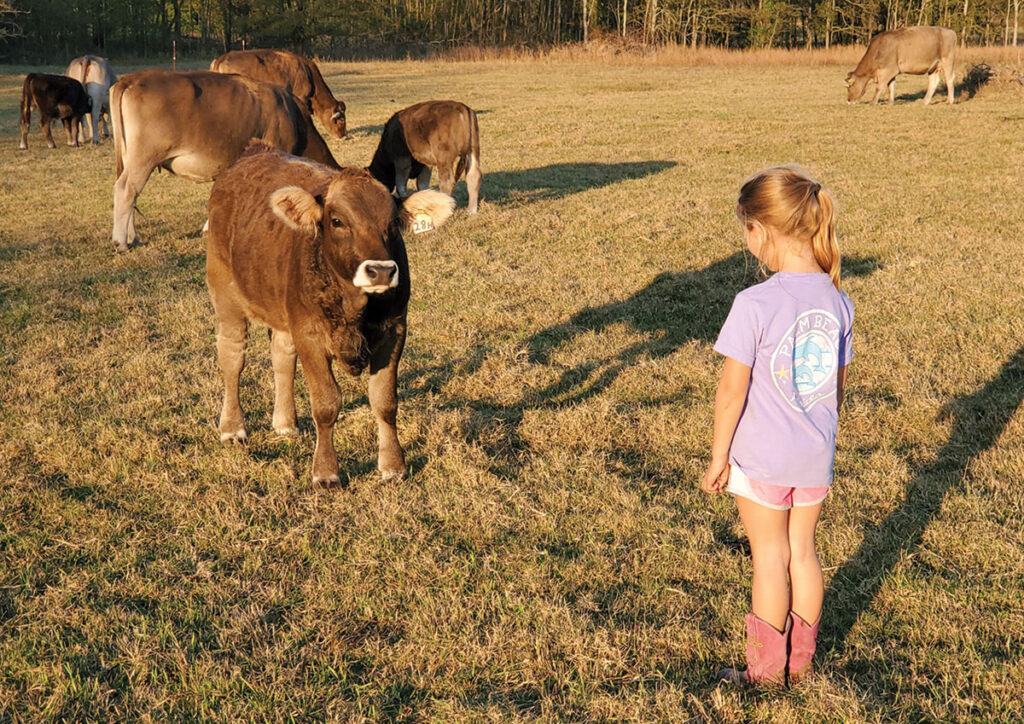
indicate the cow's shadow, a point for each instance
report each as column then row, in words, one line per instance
column 676, row 308
column 559, row 180
column 964, row 89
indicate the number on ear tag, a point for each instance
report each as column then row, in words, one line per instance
column 422, row 223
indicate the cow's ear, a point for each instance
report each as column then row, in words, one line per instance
column 425, row 210
column 296, row 207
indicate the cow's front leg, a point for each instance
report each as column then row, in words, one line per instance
column 383, row 395
column 325, row 401
column 72, row 126
column 403, row 167
column 282, row 356
column 933, row 83
column 892, row 91
column 423, row 179
column 47, row 133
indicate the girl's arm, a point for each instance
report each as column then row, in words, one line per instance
column 840, row 387
column 729, row 401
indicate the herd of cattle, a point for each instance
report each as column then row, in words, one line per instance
column 298, row 243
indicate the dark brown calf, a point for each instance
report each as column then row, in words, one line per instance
column 316, row 254
column 428, row 134
column 56, row 96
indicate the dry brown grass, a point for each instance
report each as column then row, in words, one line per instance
column 550, row 557
column 616, row 51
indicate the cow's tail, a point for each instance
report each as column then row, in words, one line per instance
column 26, row 101
column 116, row 91
column 470, row 161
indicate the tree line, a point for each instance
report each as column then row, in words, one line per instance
column 56, row 30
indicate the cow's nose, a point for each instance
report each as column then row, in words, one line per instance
column 376, row 276
column 380, row 273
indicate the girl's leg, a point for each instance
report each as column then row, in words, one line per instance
column 768, row 533
column 808, row 589
column 808, row 586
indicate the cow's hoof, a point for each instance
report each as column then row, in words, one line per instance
column 236, row 436
column 392, row 475
column 23, row 146
column 287, row 431
column 330, row 481
column 121, row 248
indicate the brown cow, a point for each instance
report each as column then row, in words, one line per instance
column 317, row 255
column 432, row 133
column 56, row 96
column 919, row 50
column 195, row 125
column 298, row 74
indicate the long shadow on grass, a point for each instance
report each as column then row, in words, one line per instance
column 978, row 421
column 964, row 89
column 676, row 308
column 562, row 179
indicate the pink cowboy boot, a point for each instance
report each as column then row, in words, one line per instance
column 803, row 639
column 766, row 655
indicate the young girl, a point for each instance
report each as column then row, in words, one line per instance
column 787, row 344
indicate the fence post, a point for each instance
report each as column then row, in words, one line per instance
column 174, row 55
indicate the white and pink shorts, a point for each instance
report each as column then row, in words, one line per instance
column 778, row 497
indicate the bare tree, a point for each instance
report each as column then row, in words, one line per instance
column 8, row 27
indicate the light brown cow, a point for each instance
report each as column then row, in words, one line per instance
column 195, row 125
column 920, row 50
column 297, row 73
column 317, row 255
column 96, row 75
column 432, row 133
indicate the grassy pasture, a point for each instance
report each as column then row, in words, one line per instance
column 551, row 556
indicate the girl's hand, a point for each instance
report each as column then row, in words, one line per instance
column 716, row 477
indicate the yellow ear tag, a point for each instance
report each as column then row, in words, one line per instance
column 422, row 223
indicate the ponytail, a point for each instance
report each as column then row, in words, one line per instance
column 824, row 243
column 787, row 199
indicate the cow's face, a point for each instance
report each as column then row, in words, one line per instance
column 356, row 217
column 337, row 122
column 855, row 85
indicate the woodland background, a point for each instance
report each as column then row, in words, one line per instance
column 51, row 31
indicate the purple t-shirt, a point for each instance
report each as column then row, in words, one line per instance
column 794, row 331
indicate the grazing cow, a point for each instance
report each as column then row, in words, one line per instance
column 56, row 96
column 195, row 125
column 432, row 133
column 96, row 75
column 918, row 50
column 316, row 254
column 298, row 74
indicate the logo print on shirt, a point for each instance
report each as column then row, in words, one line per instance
column 805, row 363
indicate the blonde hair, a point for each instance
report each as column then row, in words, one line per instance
column 788, row 200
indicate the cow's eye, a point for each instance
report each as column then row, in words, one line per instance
column 336, row 222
